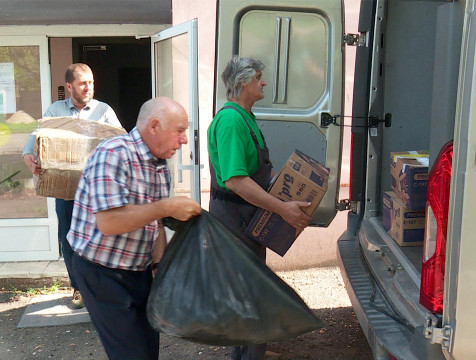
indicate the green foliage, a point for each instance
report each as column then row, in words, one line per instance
column 26, row 65
column 53, row 289
column 22, row 128
column 14, row 186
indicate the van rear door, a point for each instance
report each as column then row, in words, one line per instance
column 301, row 45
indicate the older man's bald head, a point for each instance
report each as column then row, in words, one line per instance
column 159, row 108
column 163, row 124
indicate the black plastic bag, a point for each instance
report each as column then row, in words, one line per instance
column 210, row 288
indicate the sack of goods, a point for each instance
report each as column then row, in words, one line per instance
column 210, row 288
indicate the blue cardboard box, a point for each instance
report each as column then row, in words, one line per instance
column 387, row 206
column 407, row 226
column 409, row 172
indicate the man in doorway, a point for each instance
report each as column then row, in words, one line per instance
column 116, row 233
column 240, row 167
column 80, row 84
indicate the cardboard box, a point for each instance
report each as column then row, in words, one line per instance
column 301, row 179
column 409, row 172
column 407, row 227
column 63, row 145
column 387, row 207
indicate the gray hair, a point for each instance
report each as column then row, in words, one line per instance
column 239, row 71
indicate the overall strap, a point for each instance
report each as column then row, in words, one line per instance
column 252, row 133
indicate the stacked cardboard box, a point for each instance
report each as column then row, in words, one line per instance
column 404, row 207
column 409, row 171
column 63, row 146
column 301, row 179
column 405, row 226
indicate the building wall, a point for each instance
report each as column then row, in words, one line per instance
column 61, row 57
column 204, row 11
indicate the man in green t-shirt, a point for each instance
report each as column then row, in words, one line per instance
column 240, row 167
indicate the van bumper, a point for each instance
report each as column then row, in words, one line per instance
column 386, row 332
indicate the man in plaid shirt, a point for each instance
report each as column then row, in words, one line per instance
column 116, row 232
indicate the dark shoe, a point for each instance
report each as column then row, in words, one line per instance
column 77, row 301
column 271, row 355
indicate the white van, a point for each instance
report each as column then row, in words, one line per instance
column 414, row 90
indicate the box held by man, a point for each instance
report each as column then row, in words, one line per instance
column 63, row 145
column 301, row 179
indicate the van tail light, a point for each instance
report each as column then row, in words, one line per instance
column 434, row 246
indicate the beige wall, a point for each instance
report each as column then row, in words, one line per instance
column 205, row 12
column 61, row 51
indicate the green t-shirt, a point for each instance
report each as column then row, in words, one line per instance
column 230, row 145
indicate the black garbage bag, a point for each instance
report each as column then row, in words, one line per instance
column 210, row 288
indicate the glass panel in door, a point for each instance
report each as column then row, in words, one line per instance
column 175, row 70
column 20, row 107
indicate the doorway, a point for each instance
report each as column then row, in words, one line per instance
column 122, row 72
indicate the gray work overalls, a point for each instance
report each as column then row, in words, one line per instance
column 235, row 213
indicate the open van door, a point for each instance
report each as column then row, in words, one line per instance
column 301, row 45
column 175, row 74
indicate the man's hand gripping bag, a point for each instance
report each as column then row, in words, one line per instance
column 210, row 288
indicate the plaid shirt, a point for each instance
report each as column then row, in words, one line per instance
column 120, row 171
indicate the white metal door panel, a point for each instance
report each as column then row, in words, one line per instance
column 459, row 312
column 300, row 43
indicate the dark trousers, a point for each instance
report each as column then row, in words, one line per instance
column 64, row 211
column 248, row 352
column 116, row 301
column 232, row 216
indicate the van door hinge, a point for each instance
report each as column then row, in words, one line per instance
column 437, row 335
column 346, row 204
column 372, row 121
column 355, row 39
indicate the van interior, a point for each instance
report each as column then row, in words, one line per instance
column 415, row 79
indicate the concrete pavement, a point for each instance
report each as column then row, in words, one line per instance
column 25, row 274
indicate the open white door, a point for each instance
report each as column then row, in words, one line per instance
column 300, row 43
column 28, row 225
column 175, row 74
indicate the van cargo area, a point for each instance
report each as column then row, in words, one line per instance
column 409, row 70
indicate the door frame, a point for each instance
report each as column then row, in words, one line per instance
column 33, row 228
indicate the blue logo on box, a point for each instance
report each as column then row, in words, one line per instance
column 316, row 179
column 296, row 166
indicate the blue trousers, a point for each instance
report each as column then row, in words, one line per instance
column 64, row 211
column 116, row 301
